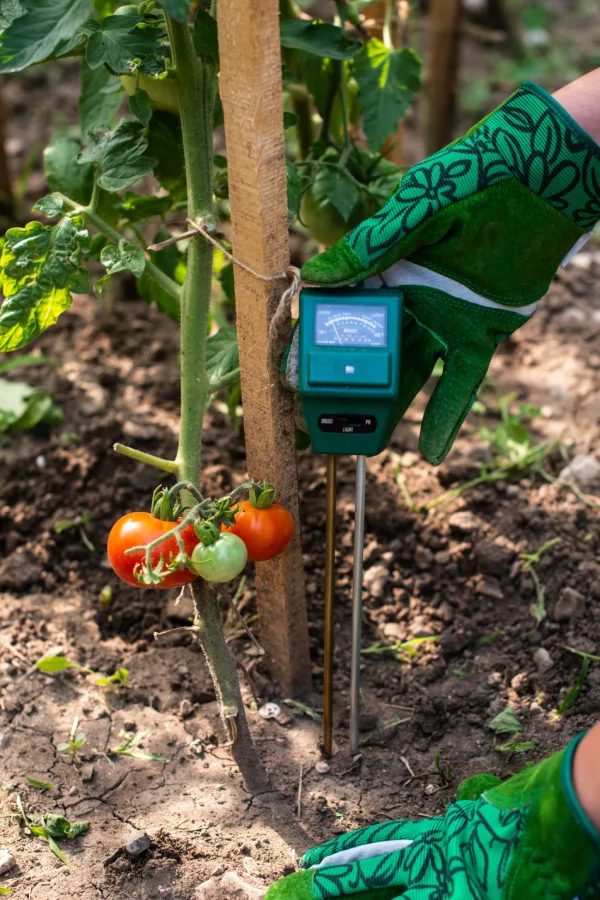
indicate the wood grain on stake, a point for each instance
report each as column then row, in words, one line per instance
column 442, row 57
column 251, row 93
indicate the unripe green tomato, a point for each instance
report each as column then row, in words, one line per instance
column 128, row 10
column 222, row 560
column 321, row 217
column 162, row 91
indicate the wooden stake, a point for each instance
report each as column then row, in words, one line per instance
column 251, row 93
column 443, row 53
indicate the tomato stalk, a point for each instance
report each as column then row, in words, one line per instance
column 197, row 84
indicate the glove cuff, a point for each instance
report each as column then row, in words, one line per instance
column 575, row 807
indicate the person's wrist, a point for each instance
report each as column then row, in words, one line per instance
column 586, row 776
column 580, row 99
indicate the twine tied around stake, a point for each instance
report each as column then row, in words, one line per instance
column 279, row 326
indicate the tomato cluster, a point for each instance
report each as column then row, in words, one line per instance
column 258, row 533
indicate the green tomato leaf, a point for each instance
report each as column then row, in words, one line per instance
column 173, row 263
column 140, row 106
column 138, row 208
column 126, row 256
column 177, row 9
column 52, row 205
column 124, row 43
column 39, row 268
column 121, row 155
column 98, row 102
column 318, row 38
column 341, row 190
column 387, row 80
column 295, row 187
column 222, row 355
column 23, row 407
column 40, row 785
column 63, row 171
column 206, row 36
column 166, row 145
column 506, row 722
column 37, row 33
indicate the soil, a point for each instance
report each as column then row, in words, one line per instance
column 452, row 576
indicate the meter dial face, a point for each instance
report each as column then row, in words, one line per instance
column 339, row 325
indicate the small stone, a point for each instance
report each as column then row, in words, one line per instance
column 138, row 843
column 185, row 709
column 491, row 589
column 495, row 678
column 395, row 631
column 376, row 579
column 229, row 886
column 269, row 710
column 420, row 628
column 7, row 861
column 543, row 660
column 445, row 612
column 519, row 682
column 582, row 469
column 464, row 523
column 430, row 789
column 442, row 558
column 322, row 767
column 423, row 558
column 3, row 741
column 493, row 558
column 570, row 605
column 87, row 772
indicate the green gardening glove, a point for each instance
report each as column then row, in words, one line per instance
column 526, row 839
column 473, row 235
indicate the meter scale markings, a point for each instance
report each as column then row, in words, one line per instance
column 350, row 326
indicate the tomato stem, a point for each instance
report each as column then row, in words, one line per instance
column 166, row 465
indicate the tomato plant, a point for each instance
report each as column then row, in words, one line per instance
column 136, row 529
column 265, row 527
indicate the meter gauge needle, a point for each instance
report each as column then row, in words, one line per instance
column 337, row 334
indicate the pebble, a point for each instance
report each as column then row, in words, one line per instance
column 493, row 558
column 423, row 558
column 443, row 557
column 445, row 612
column 543, row 660
column 3, row 741
column 185, row 709
column 570, row 605
column 464, row 523
column 322, row 767
column 269, row 710
column 395, row 631
column 420, row 628
column 376, row 579
column 229, row 886
column 138, row 843
column 582, row 469
column 7, row 861
column 430, row 789
column 490, row 589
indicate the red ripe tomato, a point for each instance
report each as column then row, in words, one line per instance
column 265, row 532
column 137, row 529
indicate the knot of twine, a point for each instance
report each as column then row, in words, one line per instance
column 279, row 326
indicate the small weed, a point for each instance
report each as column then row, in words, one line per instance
column 506, row 722
column 489, row 638
column 76, row 741
column 119, row 677
column 445, row 773
column 77, row 522
column 574, row 692
column 105, row 598
column 22, row 407
column 580, row 653
column 514, row 745
column 130, row 747
column 51, row 828
column 307, row 710
column 529, row 560
column 403, row 651
column 40, row 785
column 53, row 664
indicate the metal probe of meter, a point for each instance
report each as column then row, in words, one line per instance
column 349, row 383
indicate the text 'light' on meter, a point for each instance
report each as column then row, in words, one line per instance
column 349, row 367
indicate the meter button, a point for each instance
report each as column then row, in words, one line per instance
column 358, row 369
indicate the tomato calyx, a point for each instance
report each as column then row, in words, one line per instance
column 262, row 496
column 206, row 532
column 163, row 506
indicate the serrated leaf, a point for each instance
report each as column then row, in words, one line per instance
column 178, row 9
column 138, row 207
column 53, row 664
column 387, row 80
column 341, row 190
column 39, row 267
column 172, row 262
column 121, row 155
column 40, row 785
column 98, row 104
column 206, row 36
column 125, row 257
column 37, row 33
column 140, row 106
column 63, row 171
column 51, row 205
column 318, row 38
column 506, row 722
column 166, row 145
column 123, row 43
column 222, row 355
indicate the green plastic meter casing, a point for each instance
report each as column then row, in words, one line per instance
column 349, row 367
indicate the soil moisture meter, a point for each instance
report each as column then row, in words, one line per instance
column 349, row 382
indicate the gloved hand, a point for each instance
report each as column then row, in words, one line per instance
column 474, row 235
column 526, row 839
